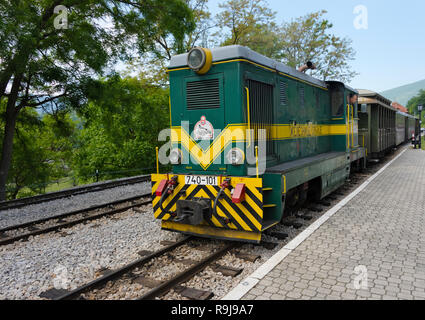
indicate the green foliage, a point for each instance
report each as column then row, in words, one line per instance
column 308, row 38
column 416, row 101
column 251, row 23
column 164, row 47
column 43, row 66
column 58, row 62
column 203, row 21
column 42, row 151
column 121, row 127
column 248, row 23
column 154, row 64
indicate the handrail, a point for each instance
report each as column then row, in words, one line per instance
column 348, row 123
column 352, row 125
column 256, row 159
column 157, row 162
column 249, row 119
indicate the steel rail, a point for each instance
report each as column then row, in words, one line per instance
column 71, row 213
column 68, row 224
column 187, row 274
column 118, row 273
column 18, row 203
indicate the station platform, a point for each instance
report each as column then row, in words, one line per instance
column 371, row 245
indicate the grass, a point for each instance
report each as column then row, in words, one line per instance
column 61, row 184
column 64, row 183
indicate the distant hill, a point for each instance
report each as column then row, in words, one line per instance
column 403, row 94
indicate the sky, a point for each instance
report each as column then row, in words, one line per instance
column 389, row 39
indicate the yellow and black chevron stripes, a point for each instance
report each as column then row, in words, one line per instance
column 232, row 133
column 237, row 133
column 245, row 216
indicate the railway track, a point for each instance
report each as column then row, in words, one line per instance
column 65, row 220
column 18, row 203
column 134, row 274
column 138, row 277
column 183, row 284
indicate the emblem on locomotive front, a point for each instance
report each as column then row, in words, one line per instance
column 203, row 130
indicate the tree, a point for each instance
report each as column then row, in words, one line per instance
column 154, row 64
column 416, row 101
column 164, row 46
column 308, row 38
column 43, row 149
column 121, row 126
column 204, row 24
column 249, row 23
column 45, row 61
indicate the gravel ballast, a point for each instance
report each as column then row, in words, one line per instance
column 76, row 255
column 51, row 208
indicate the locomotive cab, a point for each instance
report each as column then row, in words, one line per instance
column 344, row 107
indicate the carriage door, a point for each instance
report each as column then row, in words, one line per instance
column 352, row 123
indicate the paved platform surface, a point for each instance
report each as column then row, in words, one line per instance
column 371, row 248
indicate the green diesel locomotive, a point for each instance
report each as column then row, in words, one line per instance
column 251, row 139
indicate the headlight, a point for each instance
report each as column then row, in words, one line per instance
column 175, row 156
column 199, row 60
column 235, row 156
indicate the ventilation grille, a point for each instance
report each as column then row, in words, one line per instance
column 283, row 86
column 302, row 97
column 203, row 94
column 261, row 111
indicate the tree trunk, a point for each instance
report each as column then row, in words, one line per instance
column 9, row 131
column 6, row 154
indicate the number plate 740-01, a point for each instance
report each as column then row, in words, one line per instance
column 201, row 180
